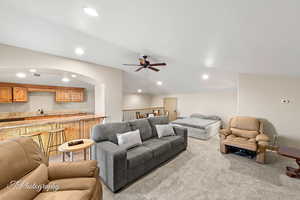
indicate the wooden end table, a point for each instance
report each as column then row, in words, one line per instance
column 64, row 148
column 291, row 153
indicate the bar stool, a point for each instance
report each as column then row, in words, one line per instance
column 39, row 137
column 56, row 138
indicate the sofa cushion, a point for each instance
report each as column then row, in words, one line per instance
column 104, row 132
column 68, row 194
column 18, row 188
column 138, row 156
column 157, row 121
column 245, row 123
column 158, row 146
column 244, row 133
column 72, row 184
column 164, row 130
column 129, row 139
column 175, row 140
column 144, row 126
column 19, row 156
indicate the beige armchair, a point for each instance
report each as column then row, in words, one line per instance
column 246, row 133
column 25, row 174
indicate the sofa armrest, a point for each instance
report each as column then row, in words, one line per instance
column 112, row 161
column 225, row 132
column 181, row 131
column 262, row 138
column 73, row 169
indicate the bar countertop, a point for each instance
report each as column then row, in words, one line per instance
column 17, row 115
column 60, row 120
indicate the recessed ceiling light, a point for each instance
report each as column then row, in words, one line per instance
column 79, row 51
column 205, row 76
column 21, row 75
column 90, row 11
column 139, row 90
column 74, row 75
column 209, row 62
column 65, row 79
column 159, row 83
column 32, row 70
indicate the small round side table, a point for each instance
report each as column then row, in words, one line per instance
column 65, row 149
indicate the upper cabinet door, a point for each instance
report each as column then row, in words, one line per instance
column 5, row 95
column 77, row 96
column 20, row 94
column 60, row 95
column 69, row 95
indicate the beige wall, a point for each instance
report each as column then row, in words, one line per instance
column 107, row 81
column 260, row 96
column 216, row 102
column 136, row 101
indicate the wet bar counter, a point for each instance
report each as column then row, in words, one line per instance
column 76, row 127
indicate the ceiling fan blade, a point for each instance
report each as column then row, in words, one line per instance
column 139, row 69
column 158, row 64
column 154, row 69
column 131, row 64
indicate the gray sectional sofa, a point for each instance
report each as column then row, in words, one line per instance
column 118, row 166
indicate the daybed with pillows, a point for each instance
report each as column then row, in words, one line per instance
column 200, row 126
column 126, row 151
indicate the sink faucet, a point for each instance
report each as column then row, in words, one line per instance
column 41, row 111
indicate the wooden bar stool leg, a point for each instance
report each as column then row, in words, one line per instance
column 90, row 153
column 64, row 157
column 71, row 156
column 41, row 143
column 84, row 154
column 49, row 144
column 56, row 143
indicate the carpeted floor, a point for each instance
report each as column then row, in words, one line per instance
column 202, row 172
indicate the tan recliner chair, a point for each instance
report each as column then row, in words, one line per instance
column 25, row 175
column 246, row 133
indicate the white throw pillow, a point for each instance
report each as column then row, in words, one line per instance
column 164, row 130
column 129, row 139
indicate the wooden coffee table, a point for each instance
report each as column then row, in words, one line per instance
column 291, row 153
column 65, row 149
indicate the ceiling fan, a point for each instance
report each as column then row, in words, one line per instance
column 145, row 64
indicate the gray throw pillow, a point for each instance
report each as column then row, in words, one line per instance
column 129, row 139
column 164, row 130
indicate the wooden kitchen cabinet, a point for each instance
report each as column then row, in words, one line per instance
column 5, row 95
column 62, row 95
column 20, row 94
column 17, row 92
column 69, row 95
column 76, row 95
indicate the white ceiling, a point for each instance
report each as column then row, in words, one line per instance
column 47, row 77
column 258, row 36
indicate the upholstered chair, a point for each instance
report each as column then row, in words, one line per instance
column 23, row 165
column 245, row 133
